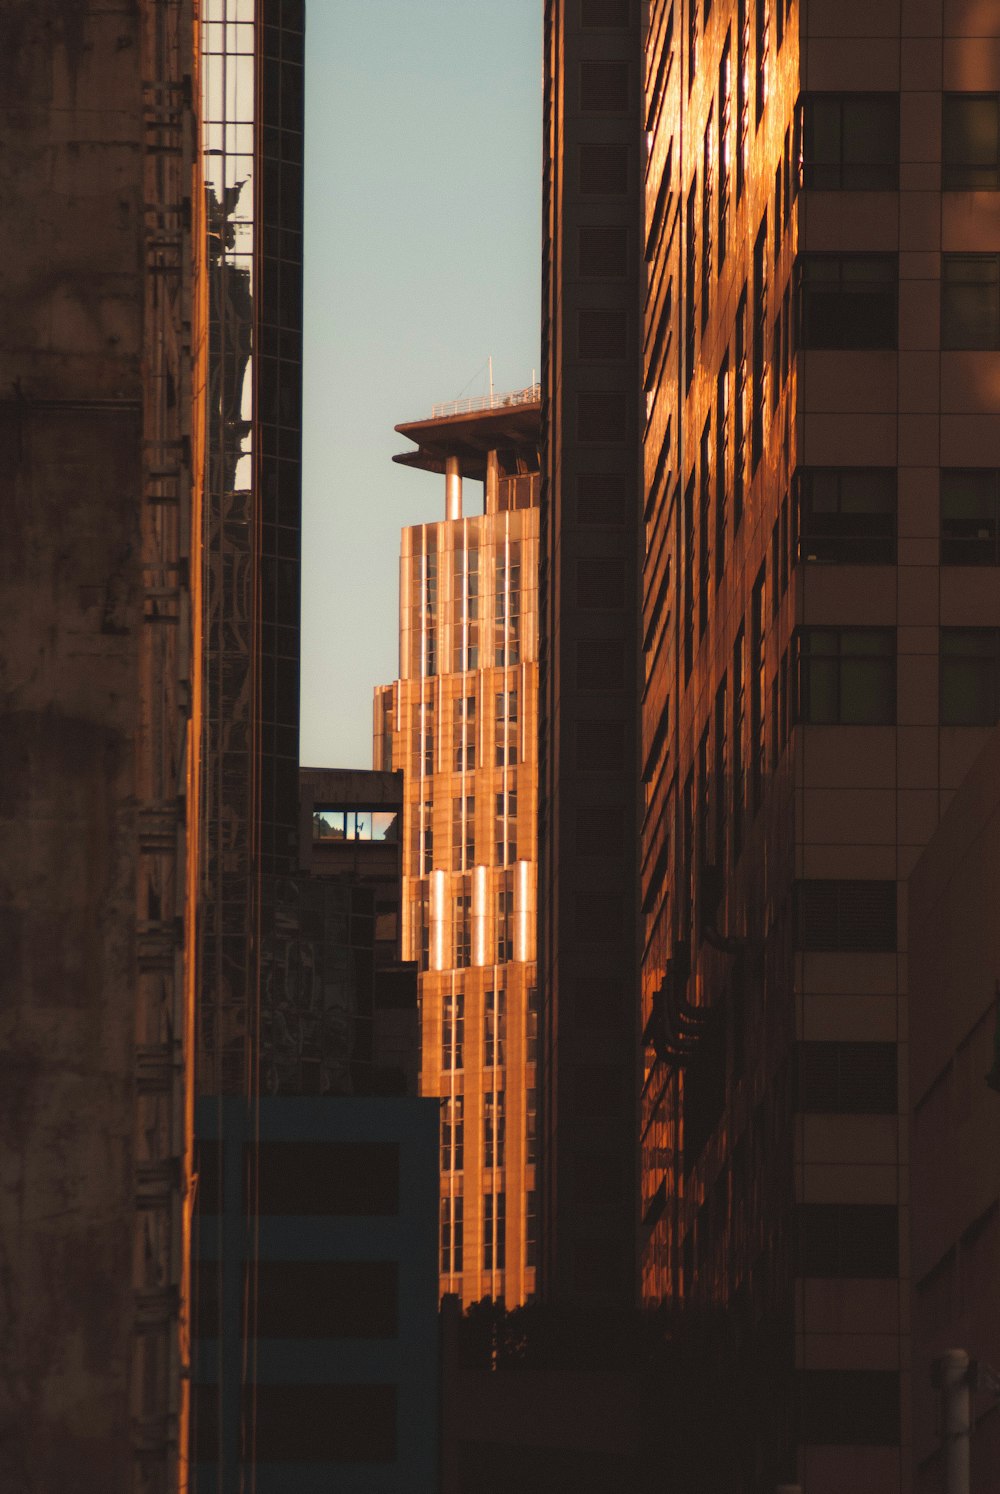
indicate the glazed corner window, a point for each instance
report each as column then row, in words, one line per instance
column 970, row 667
column 970, row 498
column 354, row 824
column 850, row 142
column 848, row 300
column 970, row 301
column 847, row 676
column 970, row 142
column 848, row 515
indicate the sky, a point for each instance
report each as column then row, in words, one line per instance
column 422, row 259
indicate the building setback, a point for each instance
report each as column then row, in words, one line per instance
column 460, row 722
column 820, row 624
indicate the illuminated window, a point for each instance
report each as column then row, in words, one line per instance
column 759, row 398
column 970, row 301
column 849, row 300
column 847, row 676
column 463, row 832
column 494, row 1221
column 452, row 1134
column 970, row 142
column 721, row 458
column 970, row 676
column 531, row 1127
column 690, row 277
column 493, row 1128
column 762, row 18
column 494, row 1027
column 740, row 404
column 850, row 142
column 707, row 219
column 970, row 508
column 505, row 923
column 742, row 95
column 451, row 1235
column 725, row 147
column 848, row 515
column 462, row 929
column 452, row 1030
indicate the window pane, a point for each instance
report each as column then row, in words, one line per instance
column 970, row 130
column 969, row 517
column 968, row 676
column 970, row 301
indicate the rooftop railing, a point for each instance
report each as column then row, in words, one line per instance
column 529, row 396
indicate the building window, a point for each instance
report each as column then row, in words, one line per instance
column 531, row 1127
column 740, row 404
column 464, row 728
column 493, row 1128
column 494, row 1027
column 426, row 838
column 970, row 142
column 758, row 763
column 762, row 15
column 704, row 528
column 970, row 301
column 847, row 515
column 452, row 1134
column 462, row 927
column 850, row 142
column 847, row 676
column 848, row 1240
column 452, row 1030
column 742, row 95
column 970, row 676
column 505, row 924
column 531, row 1034
column 848, row 300
column 689, row 578
column 721, row 457
column 847, row 1078
column 970, row 503
column 463, row 832
column 531, row 1229
column 847, row 917
column 725, row 147
column 507, row 607
column 451, row 1235
column 759, row 398
column 720, row 795
column 465, row 650
column 690, row 274
column 707, row 217
column 494, row 1219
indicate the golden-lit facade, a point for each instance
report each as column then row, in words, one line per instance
column 461, row 724
column 821, row 328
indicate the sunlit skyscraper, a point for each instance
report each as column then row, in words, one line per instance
column 461, row 723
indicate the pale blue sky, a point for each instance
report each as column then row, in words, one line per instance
column 423, row 214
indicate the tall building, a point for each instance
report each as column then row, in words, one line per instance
column 460, row 722
column 821, row 329
column 102, row 352
column 589, row 701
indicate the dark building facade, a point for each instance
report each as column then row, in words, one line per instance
column 588, row 676
column 955, row 1106
column 102, row 352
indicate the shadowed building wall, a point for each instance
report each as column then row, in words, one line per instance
column 100, row 373
column 588, row 691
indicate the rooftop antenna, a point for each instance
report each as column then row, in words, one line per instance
column 491, row 380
